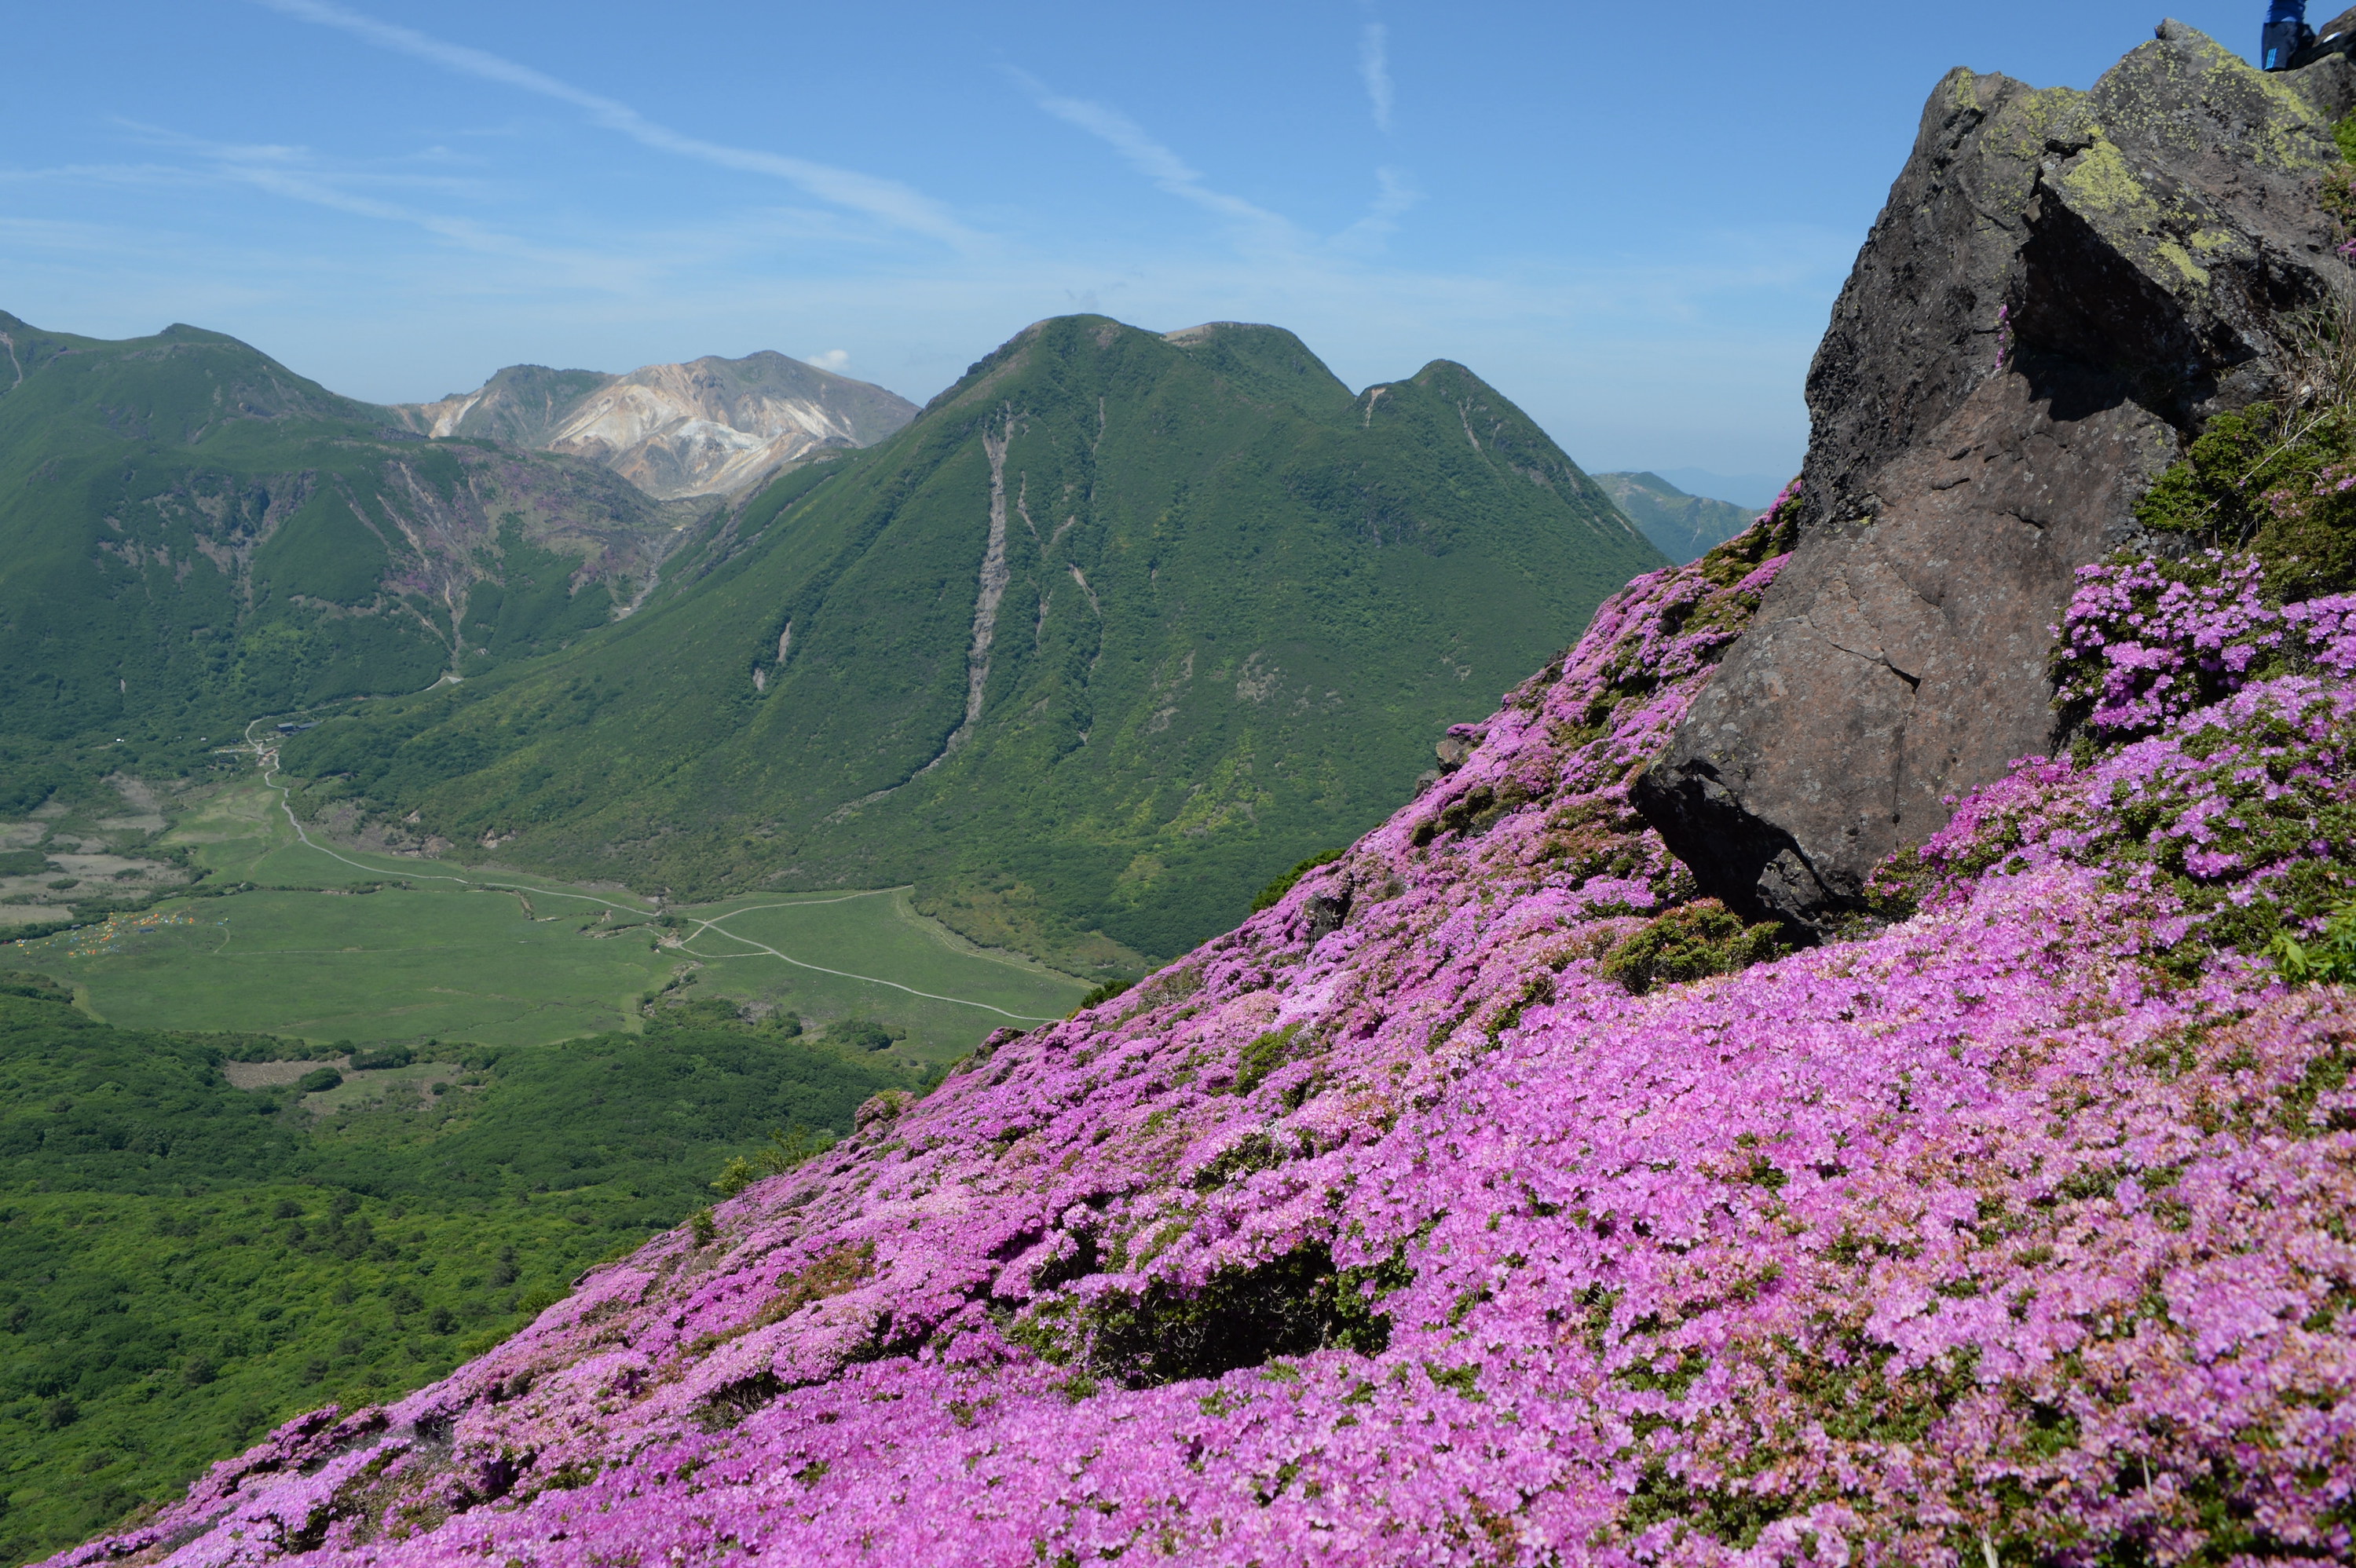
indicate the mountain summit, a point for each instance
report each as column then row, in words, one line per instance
column 1120, row 625
column 709, row 427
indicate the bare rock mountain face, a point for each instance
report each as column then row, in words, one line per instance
column 709, row 427
column 2064, row 287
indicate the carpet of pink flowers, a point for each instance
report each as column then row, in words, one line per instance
column 1985, row 1238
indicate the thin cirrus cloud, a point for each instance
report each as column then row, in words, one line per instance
column 295, row 174
column 1157, row 163
column 1255, row 225
column 1375, row 70
column 885, row 201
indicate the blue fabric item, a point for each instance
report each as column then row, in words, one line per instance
column 2287, row 11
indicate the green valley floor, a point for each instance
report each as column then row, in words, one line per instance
column 331, row 944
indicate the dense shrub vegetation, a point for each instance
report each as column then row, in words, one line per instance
column 183, row 1265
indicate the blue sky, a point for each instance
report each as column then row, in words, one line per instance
column 1632, row 220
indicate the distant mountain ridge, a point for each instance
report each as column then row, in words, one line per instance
column 707, row 427
column 1684, row 528
column 1122, row 624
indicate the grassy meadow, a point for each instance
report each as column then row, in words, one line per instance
column 341, row 944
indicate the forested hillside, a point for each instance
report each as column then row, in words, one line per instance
column 184, row 1263
column 195, row 535
column 1121, row 625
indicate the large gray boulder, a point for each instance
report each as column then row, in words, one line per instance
column 2063, row 286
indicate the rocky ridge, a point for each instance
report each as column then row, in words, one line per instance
column 2062, row 288
column 708, row 427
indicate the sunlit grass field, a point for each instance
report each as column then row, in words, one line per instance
column 325, row 951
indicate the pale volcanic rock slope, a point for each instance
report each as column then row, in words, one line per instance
column 709, row 427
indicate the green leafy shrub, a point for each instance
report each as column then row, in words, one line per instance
column 387, row 1056
column 319, row 1081
column 1692, row 942
column 1106, row 993
column 787, row 1148
column 2274, row 478
column 861, row 1034
column 39, row 988
column 1272, row 894
column 2329, row 960
column 1262, row 1057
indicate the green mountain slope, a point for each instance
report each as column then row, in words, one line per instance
column 1119, row 627
column 191, row 534
column 1684, row 528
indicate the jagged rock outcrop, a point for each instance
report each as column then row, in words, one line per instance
column 2063, row 286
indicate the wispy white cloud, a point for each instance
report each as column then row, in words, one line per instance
column 296, row 174
column 1262, row 231
column 835, row 360
column 1164, row 167
column 1395, row 194
column 886, row 201
column 1375, row 70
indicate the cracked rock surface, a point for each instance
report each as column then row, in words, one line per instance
column 2063, row 286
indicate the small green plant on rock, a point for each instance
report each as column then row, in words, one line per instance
column 1692, row 942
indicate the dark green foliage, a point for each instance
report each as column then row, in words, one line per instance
column 1290, row 1306
column 861, row 1034
column 1690, row 942
column 387, row 1056
column 1275, row 890
column 39, row 988
column 786, row 1149
column 22, row 862
column 319, row 1080
column 2209, row 494
column 1263, row 1056
column 1238, row 602
column 184, row 1263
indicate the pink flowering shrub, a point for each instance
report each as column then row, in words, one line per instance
column 1387, row 1228
column 2145, row 640
column 2235, row 824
